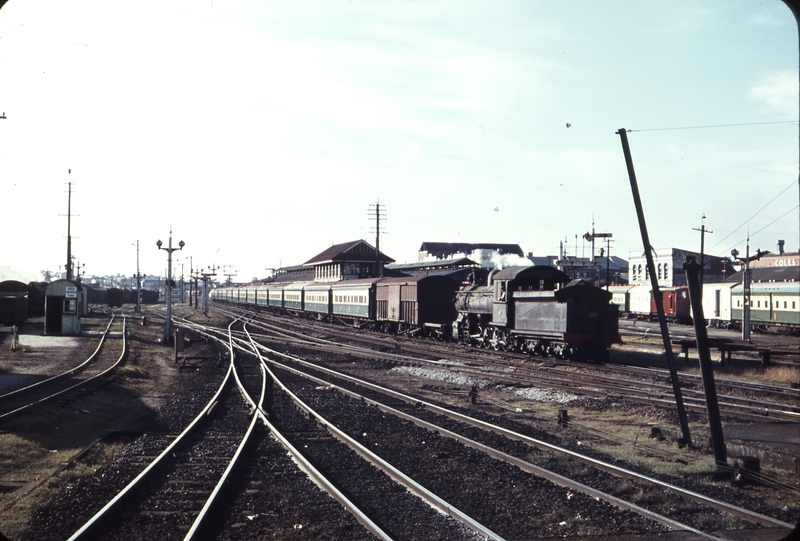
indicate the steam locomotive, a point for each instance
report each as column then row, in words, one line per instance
column 526, row 309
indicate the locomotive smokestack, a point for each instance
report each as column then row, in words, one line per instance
column 781, row 244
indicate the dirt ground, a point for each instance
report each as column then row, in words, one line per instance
column 44, row 450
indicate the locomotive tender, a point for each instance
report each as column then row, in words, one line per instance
column 527, row 309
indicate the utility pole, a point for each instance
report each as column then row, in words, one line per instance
column 693, row 273
column 376, row 213
column 169, row 249
column 69, row 229
column 703, row 232
column 608, row 259
column 651, row 268
column 138, row 282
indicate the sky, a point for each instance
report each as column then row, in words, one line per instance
column 260, row 132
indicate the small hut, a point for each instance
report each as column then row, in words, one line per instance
column 63, row 308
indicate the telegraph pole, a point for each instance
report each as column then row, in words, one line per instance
column 703, row 232
column 138, row 282
column 376, row 213
column 651, row 268
column 69, row 230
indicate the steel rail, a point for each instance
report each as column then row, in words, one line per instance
column 68, row 372
column 757, row 387
column 399, row 477
column 212, row 499
column 122, row 356
column 306, row 466
column 83, row 531
column 641, row 396
column 722, row 506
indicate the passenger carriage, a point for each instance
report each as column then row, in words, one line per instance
column 354, row 300
column 317, row 299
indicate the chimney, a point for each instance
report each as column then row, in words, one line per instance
column 781, row 243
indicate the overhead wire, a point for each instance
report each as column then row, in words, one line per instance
column 754, row 215
column 766, row 226
column 717, row 126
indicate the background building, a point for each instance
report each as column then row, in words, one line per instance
column 669, row 262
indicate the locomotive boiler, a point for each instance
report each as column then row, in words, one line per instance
column 532, row 309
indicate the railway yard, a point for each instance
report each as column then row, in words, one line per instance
column 318, row 431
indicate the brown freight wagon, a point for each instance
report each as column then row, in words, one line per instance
column 417, row 305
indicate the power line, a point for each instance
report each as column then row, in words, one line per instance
column 719, row 126
column 754, row 215
column 769, row 224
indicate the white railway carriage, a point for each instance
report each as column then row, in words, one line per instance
column 717, row 303
column 261, row 295
column 293, row 295
column 640, row 300
column 275, row 295
column 354, row 298
column 317, row 298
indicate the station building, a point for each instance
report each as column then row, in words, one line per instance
column 669, row 262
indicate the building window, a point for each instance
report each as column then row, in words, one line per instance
column 659, row 271
column 666, row 276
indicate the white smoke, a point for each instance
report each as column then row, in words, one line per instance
column 502, row 261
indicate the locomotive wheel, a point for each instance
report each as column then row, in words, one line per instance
column 487, row 338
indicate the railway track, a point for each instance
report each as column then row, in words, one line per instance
column 176, row 488
column 511, row 371
column 93, row 371
column 325, row 386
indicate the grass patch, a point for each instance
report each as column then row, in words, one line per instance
column 5, row 367
column 134, row 372
column 41, row 483
column 768, row 375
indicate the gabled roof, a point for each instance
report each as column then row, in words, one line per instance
column 467, row 247
column 438, row 264
column 353, row 251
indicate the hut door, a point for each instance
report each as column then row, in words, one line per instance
column 54, row 313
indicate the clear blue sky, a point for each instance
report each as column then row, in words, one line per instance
column 261, row 132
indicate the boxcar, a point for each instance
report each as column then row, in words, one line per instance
column 114, row 297
column 417, row 303
column 717, row 304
